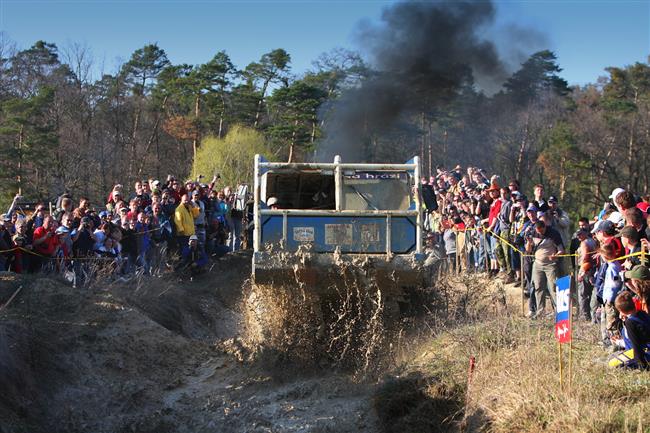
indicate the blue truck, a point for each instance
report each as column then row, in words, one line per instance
column 322, row 230
column 336, row 211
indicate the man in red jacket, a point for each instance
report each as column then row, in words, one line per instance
column 45, row 243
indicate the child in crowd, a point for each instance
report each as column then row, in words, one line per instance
column 612, row 285
column 636, row 330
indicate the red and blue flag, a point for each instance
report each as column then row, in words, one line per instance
column 563, row 310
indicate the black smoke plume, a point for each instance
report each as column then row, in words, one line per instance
column 422, row 54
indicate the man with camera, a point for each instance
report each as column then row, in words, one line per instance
column 546, row 245
column 200, row 218
column 83, row 238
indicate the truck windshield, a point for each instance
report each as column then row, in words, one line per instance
column 376, row 191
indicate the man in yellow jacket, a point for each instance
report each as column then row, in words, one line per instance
column 184, row 220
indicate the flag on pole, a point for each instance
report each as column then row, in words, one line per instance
column 563, row 298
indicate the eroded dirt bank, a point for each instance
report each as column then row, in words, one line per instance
column 164, row 355
column 161, row 356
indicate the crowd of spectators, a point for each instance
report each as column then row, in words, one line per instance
column 489, row 226
column 156, row 226
column 481, row 224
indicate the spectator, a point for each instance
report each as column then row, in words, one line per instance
column 612, row 285
column 638, row 280
column 200, row 218
column 586, row 264
column 636, row 333
column 634, row 218
column 632, row 245
column 45, row 243
column 503, row 249
column 539, row 200
column 493, row 228
column 83, row 238
column 546, row 244
column 184, row 220
column 193, row 258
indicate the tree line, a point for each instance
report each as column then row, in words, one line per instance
column 61, row 130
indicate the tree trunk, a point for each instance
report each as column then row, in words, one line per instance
column 522, row 151
column 221, row 115
column 21, row 139
column 154, row 133
column 260, row 102
column 195, row 140
column 292, row 144
column 430, row 143
column 563, row 178
column 444, row 148
column 630, row 149
column 134, row 145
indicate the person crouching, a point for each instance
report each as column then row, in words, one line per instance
column 193, row 258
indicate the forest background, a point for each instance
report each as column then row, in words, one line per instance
column 62, row 131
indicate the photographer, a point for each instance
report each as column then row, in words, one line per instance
column 200, row 218
column 193, row 258
column 83, row 238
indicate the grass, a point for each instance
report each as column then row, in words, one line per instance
column 515, row 386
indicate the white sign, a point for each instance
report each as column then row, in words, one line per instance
column 303, row 234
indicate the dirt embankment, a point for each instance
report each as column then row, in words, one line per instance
column 155, row 355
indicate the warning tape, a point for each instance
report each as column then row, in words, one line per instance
column 637, row 254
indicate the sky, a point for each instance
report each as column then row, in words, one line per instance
column 587, row 36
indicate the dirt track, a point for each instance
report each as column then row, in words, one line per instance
column 161, row 356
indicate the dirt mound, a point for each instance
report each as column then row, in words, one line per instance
column 154, row 355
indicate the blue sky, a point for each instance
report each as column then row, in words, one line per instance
column 586, row 35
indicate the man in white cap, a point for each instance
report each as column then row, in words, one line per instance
column 272, row 202
column 193, row 258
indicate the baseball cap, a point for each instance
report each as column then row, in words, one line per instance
column 103, row 214
column 639, row 272
column 605, row 226
column 61, row 230
column 552, row 199
column 629, row 232
column 531, row 208
column 581, row 232
column 271, row 201
column 194, row 238
column 6, row 217
column 616, row 218
column 616, row 192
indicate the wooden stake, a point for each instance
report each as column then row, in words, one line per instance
column 523, row 283
column 559, row 357
column 570, row 341
column 457, row 254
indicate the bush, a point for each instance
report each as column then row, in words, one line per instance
column 232, row 156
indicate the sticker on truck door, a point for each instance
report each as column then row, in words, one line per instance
column 369, row 233
column 303, row 234
column 338, row 234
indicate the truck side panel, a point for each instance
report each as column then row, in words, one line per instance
column 350, row 234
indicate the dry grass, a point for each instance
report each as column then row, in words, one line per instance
column 515, row 387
